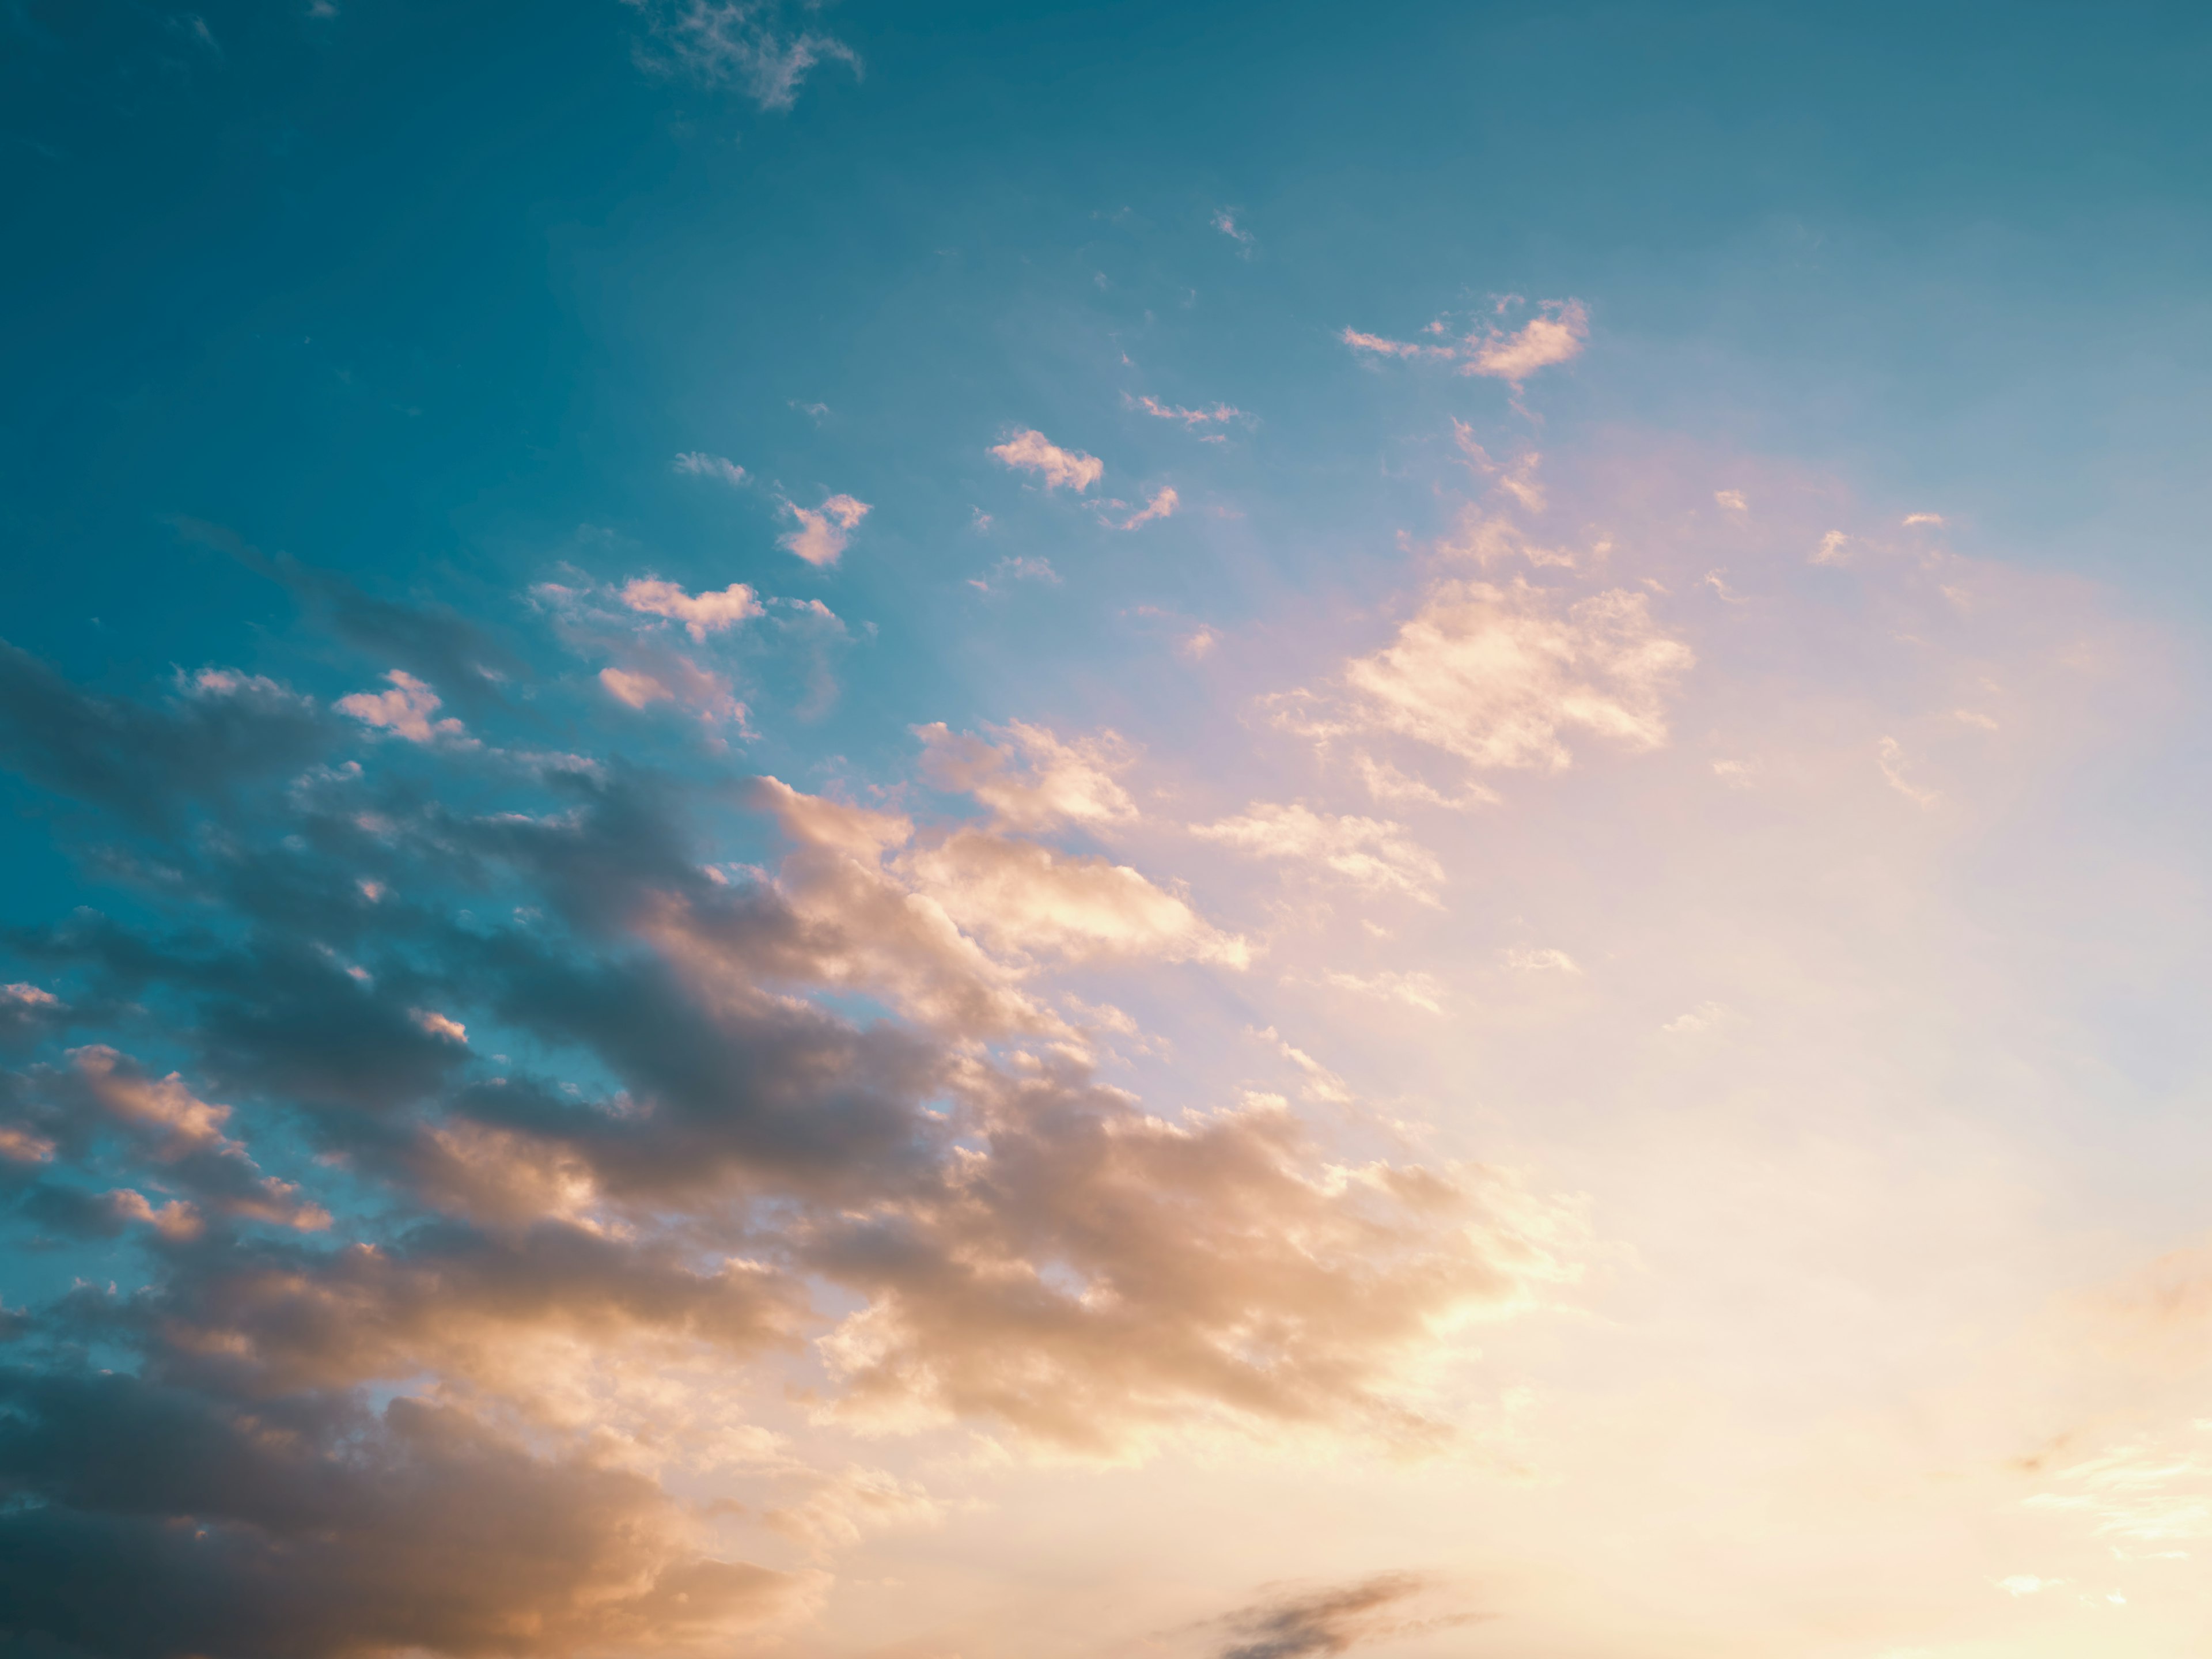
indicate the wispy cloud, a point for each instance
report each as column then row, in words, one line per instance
column 1162, row 506
column 1219, row 414
column 745, row 44
column 713, row 466
column 1556, row 335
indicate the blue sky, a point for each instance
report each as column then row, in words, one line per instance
column 927, row 824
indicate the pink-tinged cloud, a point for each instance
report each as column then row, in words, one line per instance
column 636, row 690
column 404, row 711
column 1381, row 347
column 701, row 614
column 1554, row 337
column 825, row 531
column 1030, row 451
column 1162, row 506
column 1190, row 417
column 1225, row 221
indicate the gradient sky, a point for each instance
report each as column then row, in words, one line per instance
column 1216, row 832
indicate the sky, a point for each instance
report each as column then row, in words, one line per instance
column 1189, row 832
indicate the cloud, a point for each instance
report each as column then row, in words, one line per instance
column 713, row 466
column 1386, row 348
column 570, row 1120
column 1371, row 853
column 701, row 614
column 740, row 43
column 1219, row 414
column 1415, row 990
column 1162, row 506
column 1030, row 451
column 1525, row 959
column 1031, row 778
column 1299, row 1625
column 219, row 730
column 404, row 711
column 1889, row 754
column 1499, row 675
column 295, row 1529
column 1731, row 500
column 824, row 533
column 1022, row 897
column 1555, row 337
column 1225, row 221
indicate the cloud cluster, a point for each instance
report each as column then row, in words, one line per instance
column 510, row 1140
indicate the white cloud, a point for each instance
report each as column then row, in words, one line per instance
column 404, row 710
column 701, row 614
column 1497, row 675
column 824, row 532
column 1732, row 500
column 1031, row 778
column 1032, row 452
column 1830, row 549
column 1373, row 852
column 1225, row 221
column 1911, row 518
column 1018, row 896
column 713, row 466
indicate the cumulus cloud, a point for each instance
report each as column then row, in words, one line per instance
column 1030, row 451
column 1499, row 675
column 825, row 531
column 419, row 1382
column 1554, row 337
column 701, row 614
column 1371, row 853
column 405, row 710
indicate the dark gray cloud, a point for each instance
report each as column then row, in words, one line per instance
column 1298, row 1624
column 469, row 1059
column 140, row 761
column 145, row 1521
